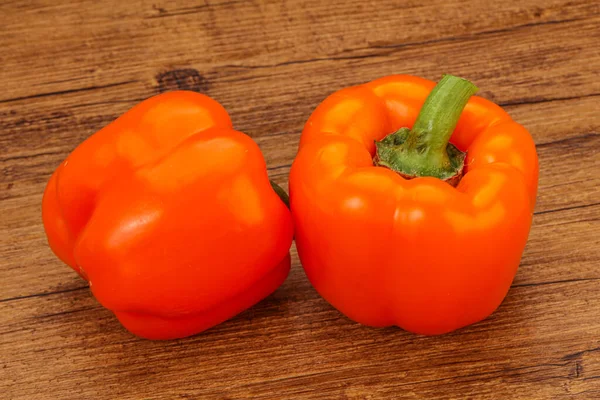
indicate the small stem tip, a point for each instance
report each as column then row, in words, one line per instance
column 281, row 193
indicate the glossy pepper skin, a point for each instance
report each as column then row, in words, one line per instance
column 169, row 214
column 420, row 254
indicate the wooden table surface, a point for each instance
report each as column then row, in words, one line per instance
column 70, row 67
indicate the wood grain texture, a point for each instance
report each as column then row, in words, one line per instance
column 69, row 68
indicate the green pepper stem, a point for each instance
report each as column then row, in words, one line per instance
column 425, row 150
column 440, row 113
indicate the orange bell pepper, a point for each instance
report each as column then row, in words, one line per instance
column 169, row 214
column 395, row 226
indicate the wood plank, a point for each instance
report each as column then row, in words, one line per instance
column 153, row 36
column 80, row 338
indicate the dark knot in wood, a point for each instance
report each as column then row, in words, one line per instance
column 181, row 79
